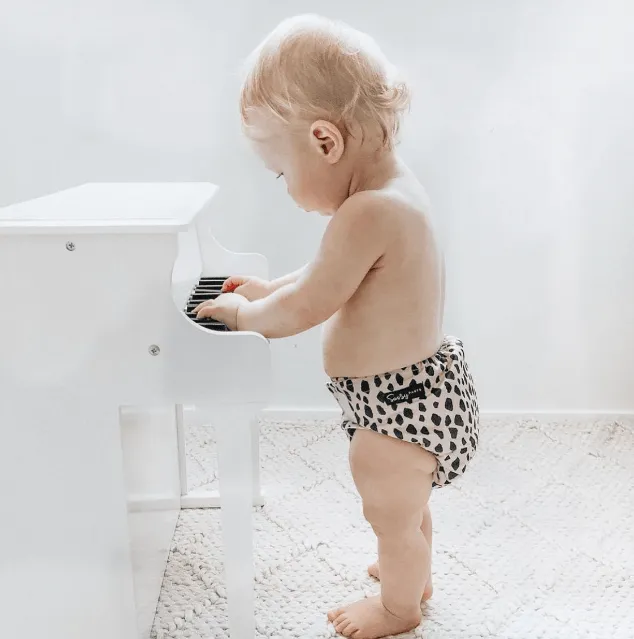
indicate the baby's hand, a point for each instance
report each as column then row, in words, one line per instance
column 224, row 309
column 251, row 288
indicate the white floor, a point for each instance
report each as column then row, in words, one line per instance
column 536, row 541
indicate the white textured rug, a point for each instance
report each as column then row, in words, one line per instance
column 536, row 541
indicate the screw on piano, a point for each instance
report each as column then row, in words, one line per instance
column 154, row 350
column 70, row 246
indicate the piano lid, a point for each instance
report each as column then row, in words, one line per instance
column 105, row 208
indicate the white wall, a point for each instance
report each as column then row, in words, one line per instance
column 522, row 131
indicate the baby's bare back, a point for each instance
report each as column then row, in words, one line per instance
column 394, row 319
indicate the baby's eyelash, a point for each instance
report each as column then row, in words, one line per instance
column 279, row 176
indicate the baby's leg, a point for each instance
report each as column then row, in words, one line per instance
column 426, row 528
column 394, row 479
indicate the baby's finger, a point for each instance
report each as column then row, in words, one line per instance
column 206, row 311
column 202, row 305
column 231, row 284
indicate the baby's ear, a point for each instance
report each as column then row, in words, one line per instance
column 327, row 140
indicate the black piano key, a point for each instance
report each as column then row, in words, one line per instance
column 213, row 280
column 203, row 295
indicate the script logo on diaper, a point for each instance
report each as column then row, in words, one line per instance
column 416, row 391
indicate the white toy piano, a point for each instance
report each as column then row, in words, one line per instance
column 100, row 368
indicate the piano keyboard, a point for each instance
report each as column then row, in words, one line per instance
column 207, row 288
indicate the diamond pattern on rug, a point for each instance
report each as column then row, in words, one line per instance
column 537, row 539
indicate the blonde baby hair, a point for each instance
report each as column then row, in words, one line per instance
column 311, row 68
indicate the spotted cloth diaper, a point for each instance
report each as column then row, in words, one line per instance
column 432, row 404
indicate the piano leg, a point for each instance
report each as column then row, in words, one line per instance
column 258, row 499
column 211, row 499
column 234, row 437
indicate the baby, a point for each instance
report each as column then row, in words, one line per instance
column 321, row 109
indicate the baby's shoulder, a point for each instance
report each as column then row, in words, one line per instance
column 390, row 210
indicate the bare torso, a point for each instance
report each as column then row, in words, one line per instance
column 395, row 317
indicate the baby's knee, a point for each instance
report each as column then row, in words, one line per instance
column 391, row 517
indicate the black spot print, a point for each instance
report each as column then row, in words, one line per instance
column 447, row 420
column 368, row 412
column 426, row 443
column 358, row 406
column 450, row 375
column 415, row 370
column 398, row 433
column 399, row 379
column 399, row 420
column 377, row 381
column 454, row 433
column 380, row 410
column 456, row 463
column 365, row 387
column 351, row 432
column 427, row 384
column 414, row 440
column 448, row 404
column 453, row 447
column 436, row 404
column 379, row 420
column 412, row 430
column 430, row 370
column 452, row 475
column 459, row 421
column 374, row 427
column 421, row 418
column 438, row 448
column 424, row 430
column 463, row 451
column 422, row 408
column 383, row 432
column 365, row 400
column 388, row 375
column 436, row 419
column 463, row 408
column 470, row 419
column 366, row 421
column 436, row 392
column 350, row 385
column 448, row 387
column 389, row 420
column 390, row 387
column 408, row 413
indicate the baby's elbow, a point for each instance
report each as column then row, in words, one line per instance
column 310, row 315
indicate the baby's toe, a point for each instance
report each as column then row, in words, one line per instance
column 342, row 624
column 333, row 614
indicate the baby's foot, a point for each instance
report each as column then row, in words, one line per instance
column 369, row 619
column 374, row 571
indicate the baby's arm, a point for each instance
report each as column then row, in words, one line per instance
column 352, row 244
column 289, row 278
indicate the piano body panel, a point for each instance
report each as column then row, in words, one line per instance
column 65, row 564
